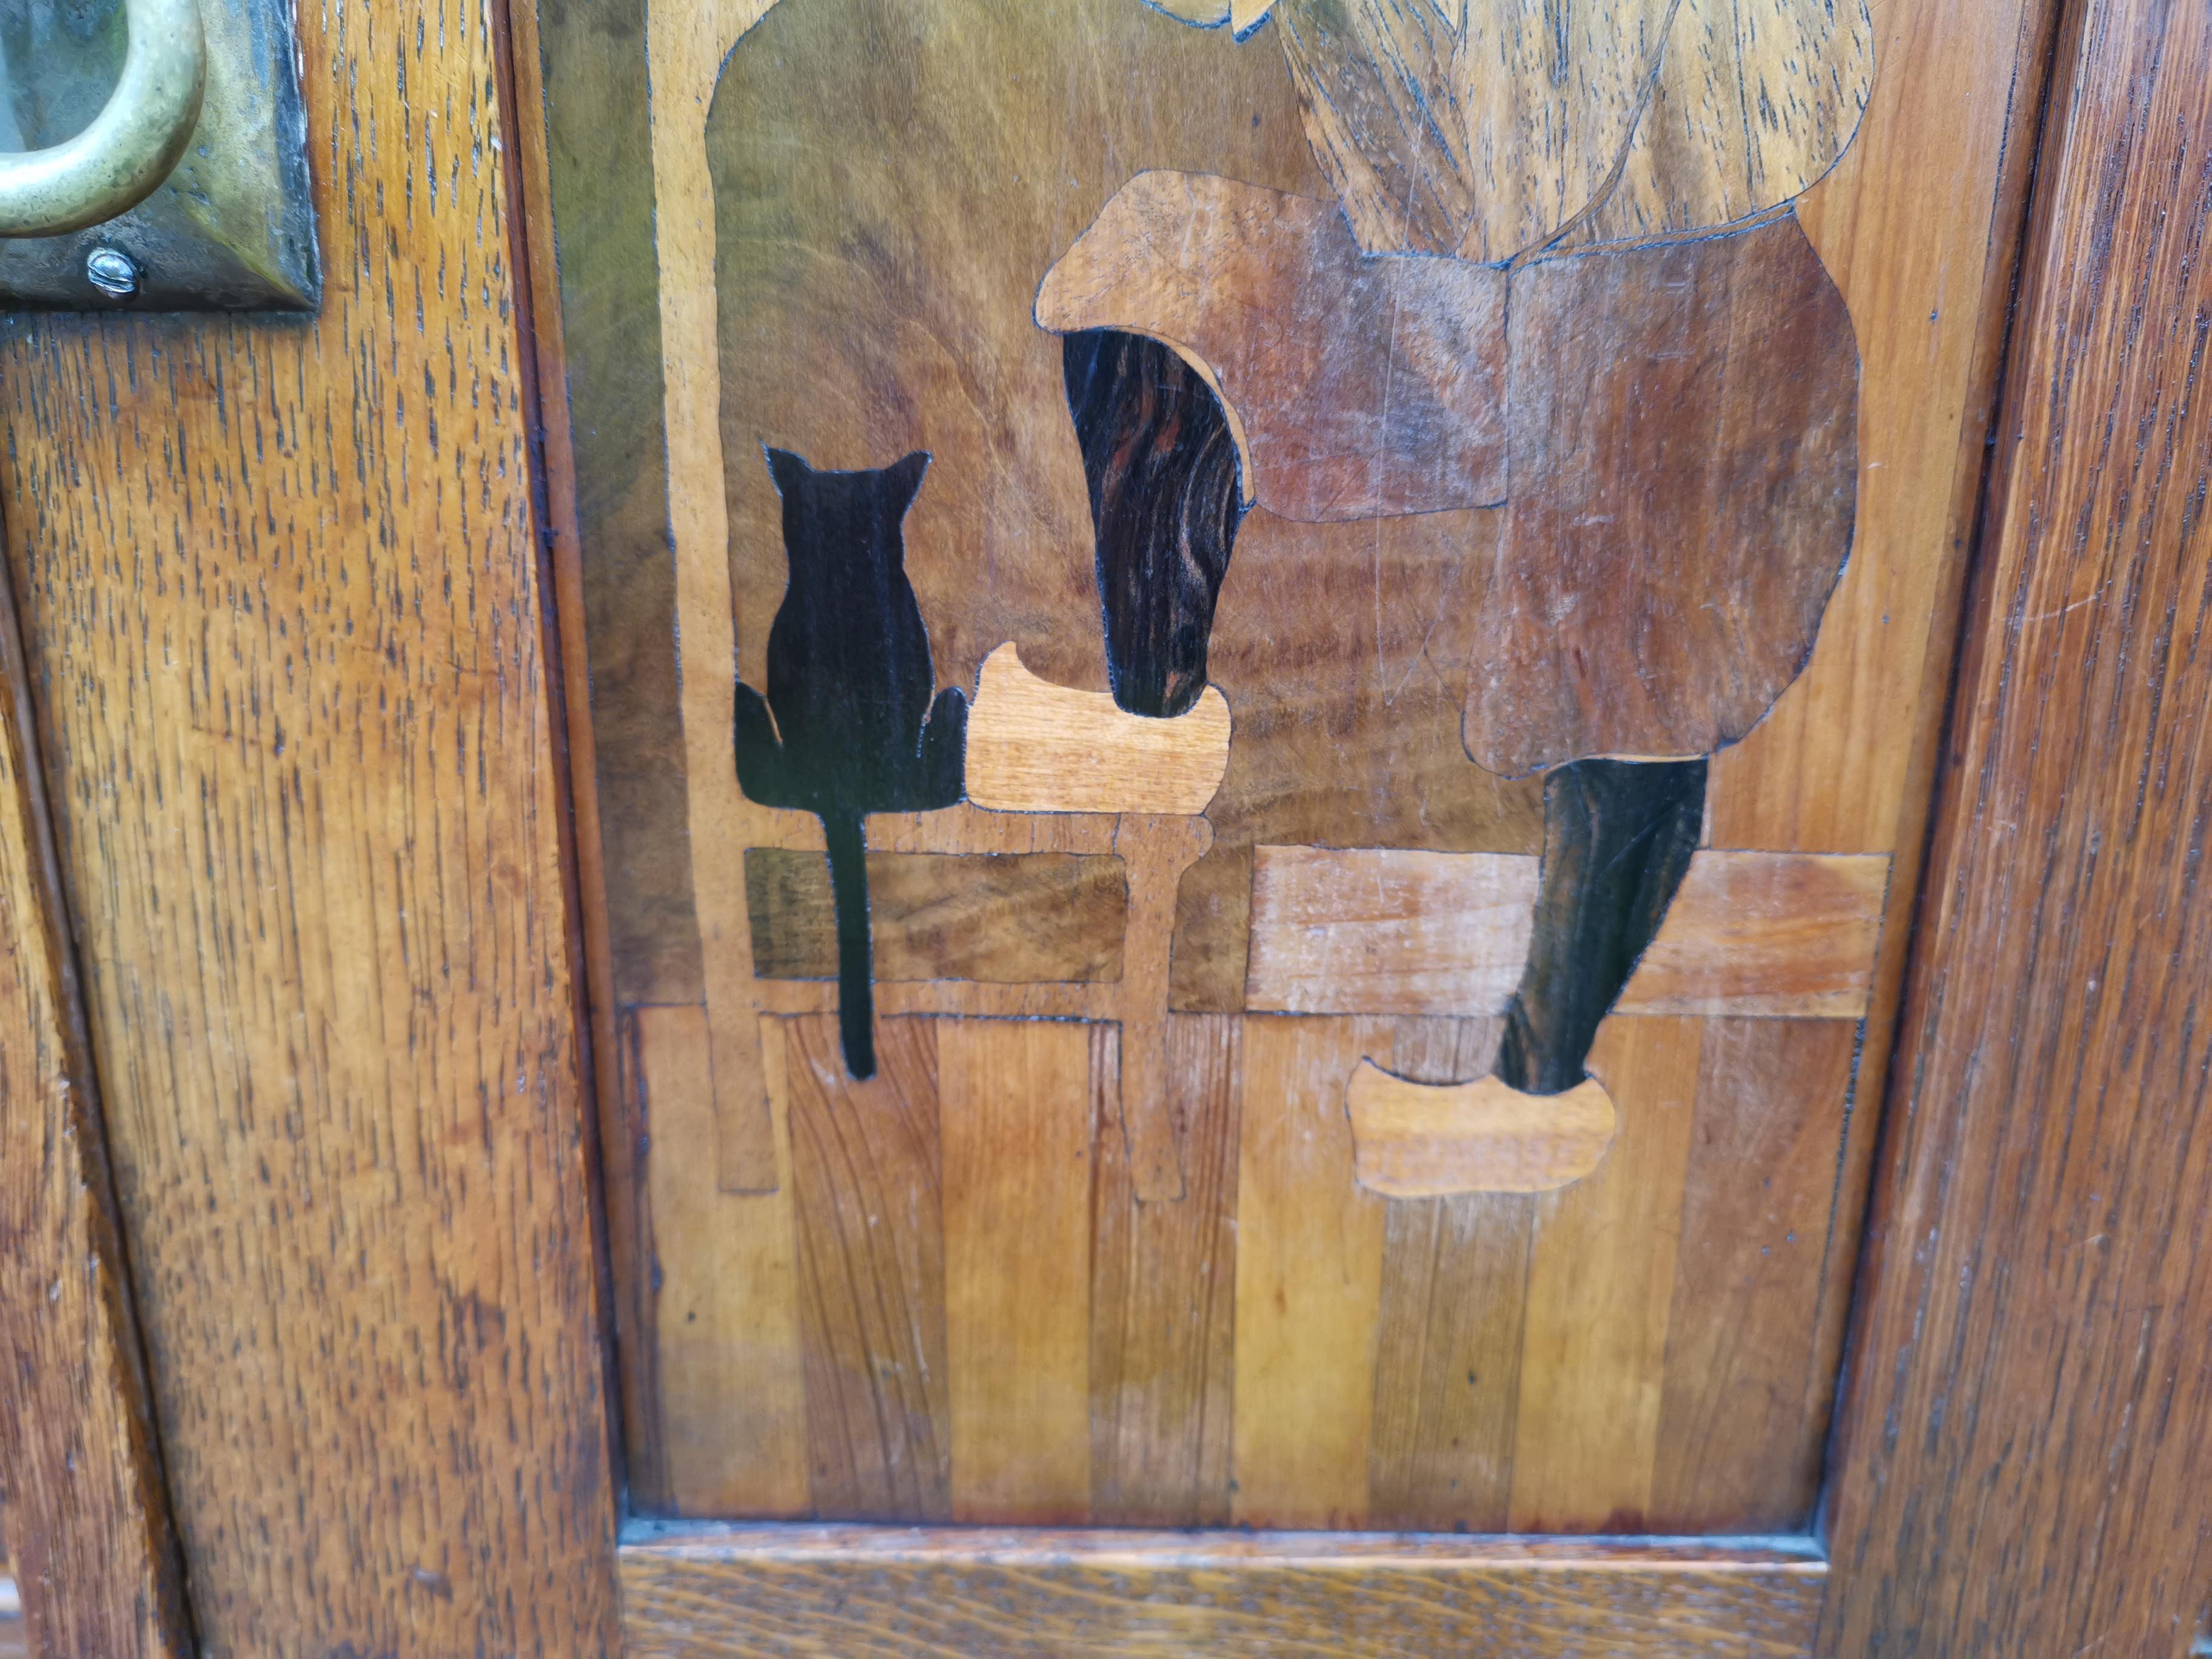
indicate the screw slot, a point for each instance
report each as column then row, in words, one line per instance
column 111, row 272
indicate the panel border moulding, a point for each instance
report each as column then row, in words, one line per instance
column 695, row 1589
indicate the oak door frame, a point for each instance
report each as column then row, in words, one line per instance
column 282, row 633
column 2023, row 1459
column 1989, row 1255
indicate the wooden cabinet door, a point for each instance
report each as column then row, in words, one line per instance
column 1105, row 828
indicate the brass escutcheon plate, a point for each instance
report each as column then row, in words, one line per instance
column 231, row 229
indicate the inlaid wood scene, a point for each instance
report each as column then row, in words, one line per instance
column 1252, row 687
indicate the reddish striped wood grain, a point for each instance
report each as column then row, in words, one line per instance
column 2024, row 1463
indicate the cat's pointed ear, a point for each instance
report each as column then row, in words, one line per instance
column 904, row 477
column 789, row 470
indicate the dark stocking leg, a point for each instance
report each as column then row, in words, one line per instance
column 1618, row 834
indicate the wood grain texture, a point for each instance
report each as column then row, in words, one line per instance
column 1037, row 747
column 1748, row 106
column 1781, row 934
column 1392, row 931
column 1206, row 14
column 587, row 147
column 1619, row 837
column 1308, row 1279
column 1343, row 650
column 1684, row 467
column 958, row 137
column 986, row 1594
column 1156, row 849
column 1602, row 1268
column 1735, row 1450
column 1388, row 931
column 1475, row 136
column 1151, row 848
column 2039, row 1271
column 636, row 356
column 603, row 345
column 1448, row 1364
column 1420, row 1432
column 1162, row 1288
column 1623, row 620
column 685, row 43
column 1931, row 299
column 1242, row 15
column 1431, row 1140
column 1340, row 648
column 1162, row 466
column 1363, row 388
column 1489, row 130
column 1448, row 1349
column 280, row 598
column 627, row 1298
column 1017, row 1103
column 1010, row 917
column 980, row 413
column 728, row 1360
column 866, row 1172
column 91, row 1558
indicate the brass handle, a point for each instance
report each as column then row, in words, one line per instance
column 132, row 144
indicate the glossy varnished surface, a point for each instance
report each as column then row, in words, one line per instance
column 279, row 586
column 2023, row 1461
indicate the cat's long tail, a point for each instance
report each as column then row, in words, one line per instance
column 856, row 971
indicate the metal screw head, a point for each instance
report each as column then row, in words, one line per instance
column 111, row 272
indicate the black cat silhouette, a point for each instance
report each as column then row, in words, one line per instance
column 849, row 727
